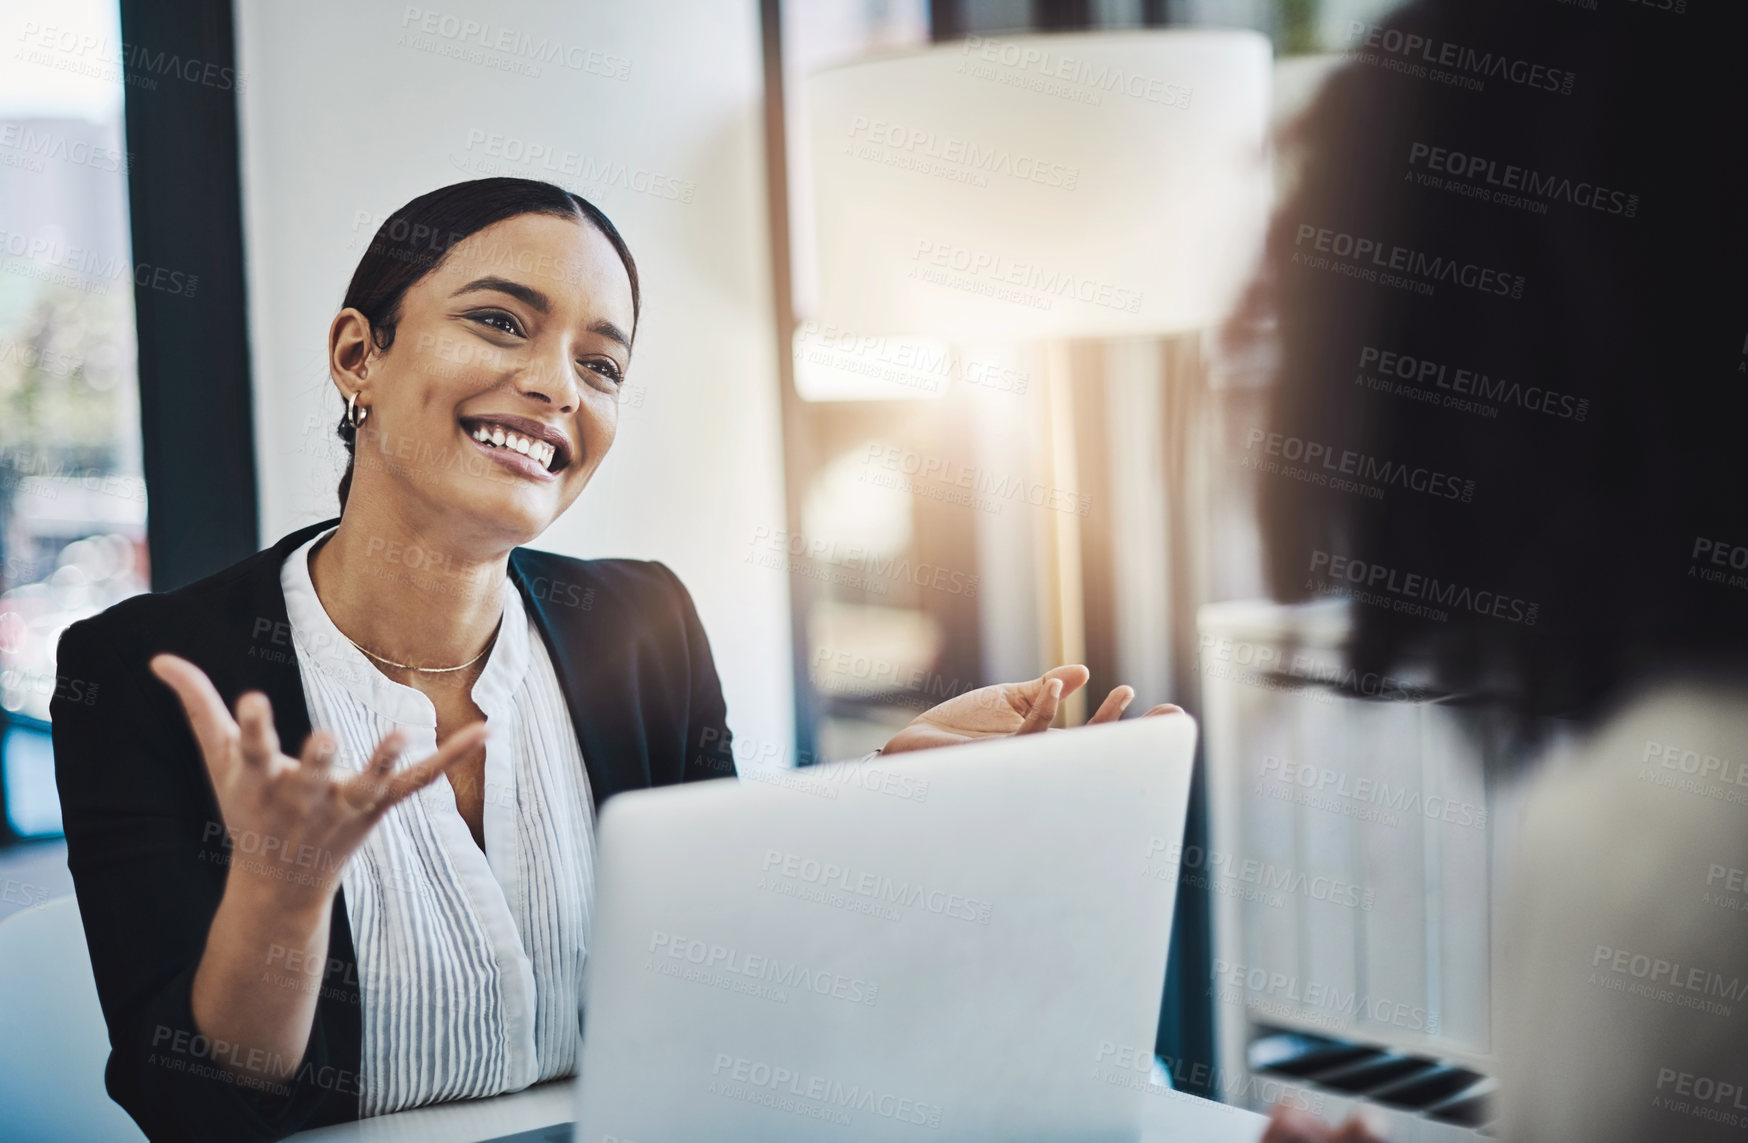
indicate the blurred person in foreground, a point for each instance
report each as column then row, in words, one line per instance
column 1512, row 251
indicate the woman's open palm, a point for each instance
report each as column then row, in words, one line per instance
column 303, row 820
column 1008, row 708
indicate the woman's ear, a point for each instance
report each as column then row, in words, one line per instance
column 349, row 350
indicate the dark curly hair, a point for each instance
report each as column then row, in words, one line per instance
column 1568, row 183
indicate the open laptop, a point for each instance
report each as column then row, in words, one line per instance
column 965, row 944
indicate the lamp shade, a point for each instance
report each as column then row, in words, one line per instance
column 1038, row 186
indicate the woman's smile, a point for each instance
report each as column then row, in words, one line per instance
column 526, row 365
column 524, row 446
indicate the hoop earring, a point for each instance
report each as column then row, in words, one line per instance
column 355, row 413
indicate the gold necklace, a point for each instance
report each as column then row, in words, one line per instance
column 429, row 670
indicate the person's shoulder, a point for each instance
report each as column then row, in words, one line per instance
column 128, row 619
column 613, row 610
column 608, row 566
column 102, row 661
column 1621, row 932
column 1652, row 801
column 614, row 586
column 1680, row 737
column 181, row 617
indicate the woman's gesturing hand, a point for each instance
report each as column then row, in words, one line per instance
column 309, row 819
column 1008, row 708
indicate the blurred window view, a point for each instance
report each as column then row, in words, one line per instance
column 927, row 589
column 974, row 513
column 72, row 497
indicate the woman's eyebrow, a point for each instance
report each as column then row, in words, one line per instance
column 609, row 330
column 528, row 294
column 539, row 301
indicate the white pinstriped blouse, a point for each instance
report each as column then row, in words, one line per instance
column 470, row 963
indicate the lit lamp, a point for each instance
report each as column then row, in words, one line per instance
column 1042, row 187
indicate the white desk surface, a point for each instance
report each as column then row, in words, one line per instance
column 1172, row 1117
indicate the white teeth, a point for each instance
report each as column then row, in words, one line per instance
column 542, row 452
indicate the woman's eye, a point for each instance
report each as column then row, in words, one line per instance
column 499, row 320
column 606, row 369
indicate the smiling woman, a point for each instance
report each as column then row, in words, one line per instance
column 480, row 273
column 292, row 924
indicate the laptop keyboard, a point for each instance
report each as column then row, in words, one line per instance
column 1419, row 1085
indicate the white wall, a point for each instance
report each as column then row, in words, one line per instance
column 349, row 109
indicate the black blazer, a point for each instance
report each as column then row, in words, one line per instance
column 148, row 850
